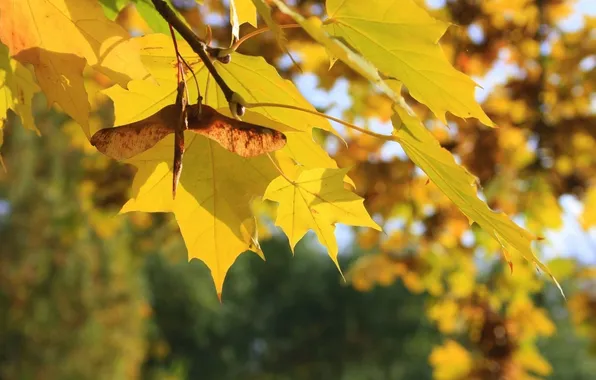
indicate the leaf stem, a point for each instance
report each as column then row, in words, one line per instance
column 195, row 43
column 345, row 123
column 259, row 31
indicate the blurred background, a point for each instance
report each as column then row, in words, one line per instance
column 88, row 294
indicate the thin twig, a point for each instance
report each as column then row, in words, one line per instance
column 279, row 169
column 259, row 31
column 182, row 125
column 340, row 121
column 195, row 43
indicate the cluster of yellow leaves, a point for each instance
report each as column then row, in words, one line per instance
column 59, row 38
column 453, row 361
column 513, row 335
column 217, row 188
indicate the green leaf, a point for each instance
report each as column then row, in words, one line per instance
column 401, row 39
column 251, row 77
column 314, row 27
column 152, row 17
column 460, row 186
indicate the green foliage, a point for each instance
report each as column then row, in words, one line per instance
column 71, row 302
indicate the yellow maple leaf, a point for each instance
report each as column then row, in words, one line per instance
column 401, row 39
column 59, row 37
column 242, row 11
column 251, row 77
column 212, row 205
column 17, row 88
column 460, row 186
column 316, row 199
column 337, row 50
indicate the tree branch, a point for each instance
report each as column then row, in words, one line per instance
column 195, row 43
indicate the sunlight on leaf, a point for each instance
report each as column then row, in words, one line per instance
column 242, row 11
column 314, row 27
column 251, row 77
column 401, row 39
column 315, row 200
column 17, row 88
column 460, row 186
column 59, row 37
column 212, row 205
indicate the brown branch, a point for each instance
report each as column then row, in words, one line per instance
column 195, row 43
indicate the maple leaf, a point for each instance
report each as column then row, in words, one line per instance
column 59, row 37
column 401, row 39
column 336, row 49
column 316, row 199
column 212, row 205
column 242, row 11
column 460, row 186
column 17, row 88
column 220, row 192
column 251, row 77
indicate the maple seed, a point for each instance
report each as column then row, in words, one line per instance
column 127, row 141
column 239, row 137
column 244, row 139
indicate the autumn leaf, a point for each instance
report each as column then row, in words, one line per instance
column 242, row 11
column 17, row 88
column 316, row 199
column 460, row 186
column 401, row 39
column 336, row 49
column 59, row 37
column 212, row 205
column 251, row 77
column 220, row 185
